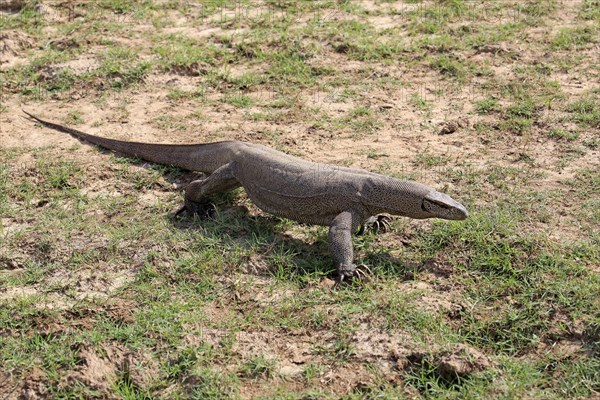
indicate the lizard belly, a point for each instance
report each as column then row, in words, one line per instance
column 296, row 189
column 317, row 209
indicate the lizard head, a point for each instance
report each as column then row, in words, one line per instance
column 382, row 194
column 440, row 205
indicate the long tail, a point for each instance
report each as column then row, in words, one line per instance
column 205, row 157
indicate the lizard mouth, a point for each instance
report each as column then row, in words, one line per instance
column 444, row 209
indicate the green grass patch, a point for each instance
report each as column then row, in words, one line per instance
column 561, row 134
column 486, row 106
column 239, row 101
column 187, row 56
column 121, row 67
column 27, row 18
column 507, row 265
column 585, row 111
column 574, row 38
column 590, row 10
column 449, row 66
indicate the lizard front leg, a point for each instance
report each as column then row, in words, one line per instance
column 340, row 243
column 197, row 193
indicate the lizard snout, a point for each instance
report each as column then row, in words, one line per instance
column 441, row 205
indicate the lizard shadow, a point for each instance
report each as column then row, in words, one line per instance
column 385, row 264
column 265, row 246
column 261, row 243
column 270, row 250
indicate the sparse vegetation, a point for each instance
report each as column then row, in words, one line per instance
column 104, row 295
column 586, row 111
column 486, row 106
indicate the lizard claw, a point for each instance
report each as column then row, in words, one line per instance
column 203, row 209
column 363, row 272
column 360, row 273
column 376, row 223
column 381, row 222
column 338, row 282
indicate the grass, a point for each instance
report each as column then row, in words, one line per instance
column 449, row 66
column 561, row 134
column 574, row 38
column 420, row 103
column 185, row 56
column 585, row 111
column 486, row 106
column 132, row 303
column 239, row 101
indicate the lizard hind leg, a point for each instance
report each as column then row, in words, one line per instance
column 198, row 192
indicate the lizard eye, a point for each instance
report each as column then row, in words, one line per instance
column 438, row 209
column 433, row 207
column 443, row 210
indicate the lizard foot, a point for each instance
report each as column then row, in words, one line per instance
column 360, row 273
column 204, row 209
column 376, row 223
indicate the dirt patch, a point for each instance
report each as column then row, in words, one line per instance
column 389, row 353
column 101, row 371
column 34, row 386
column 12, row 6
column 346, row 379
column 79, row 66
column 293, row 352
column 462, row 361
column 8, row 387
column 72, row 286
column 14, row 292
column 177, row 81
column 13, row 47
column 272, row 345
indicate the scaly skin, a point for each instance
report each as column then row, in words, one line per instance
column 287, row 186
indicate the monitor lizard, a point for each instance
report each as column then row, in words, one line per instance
column 287, row 186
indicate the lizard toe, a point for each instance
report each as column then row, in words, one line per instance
column 376, row 224
column 344, row 271
column 385, row 222
column 362, row 273
column 203, row 209
column 354, row 273
column 382, row 223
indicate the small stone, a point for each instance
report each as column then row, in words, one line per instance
column 290, row 370
column 326, row 284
